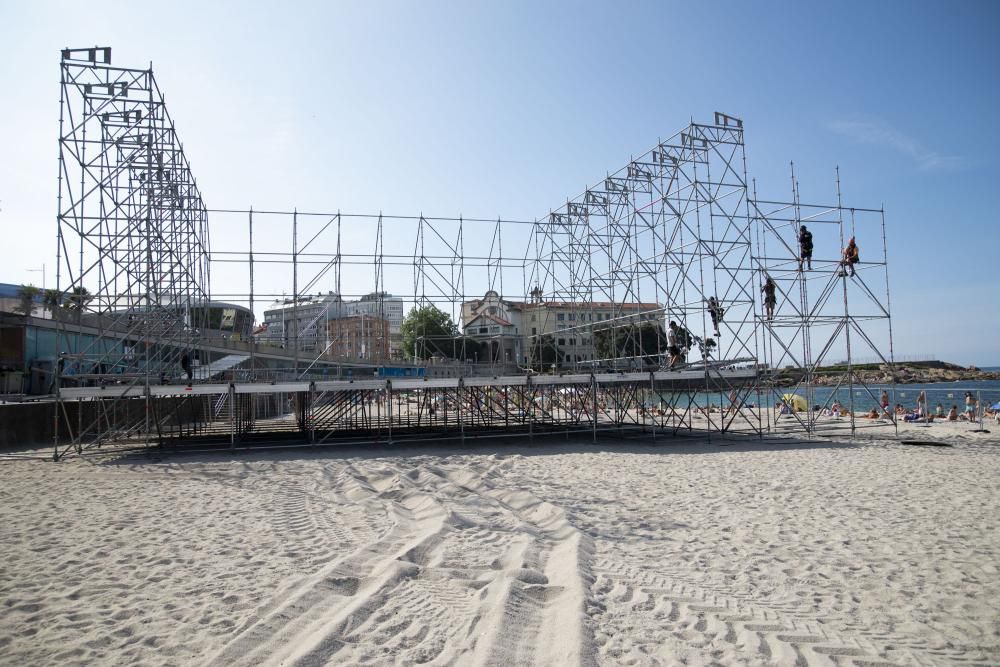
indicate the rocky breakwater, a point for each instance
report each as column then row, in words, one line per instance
column 922, row 372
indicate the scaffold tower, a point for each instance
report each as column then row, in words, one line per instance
column 638, row 306
column 133, row 241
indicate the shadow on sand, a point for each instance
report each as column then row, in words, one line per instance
column 694, row 444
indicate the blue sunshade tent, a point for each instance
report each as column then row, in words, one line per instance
column 996, row 406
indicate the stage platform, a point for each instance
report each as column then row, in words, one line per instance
column 689, row 379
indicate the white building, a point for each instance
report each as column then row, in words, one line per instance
column 304, row 319
column 308, row 317
column 497, row 323
column 513, row 329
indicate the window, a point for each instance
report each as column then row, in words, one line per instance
column 483, row 330
column 532, row 317
column 572, row 317
column 562, row 341
column 561, row 317
column 572, row 341
column 534, row 331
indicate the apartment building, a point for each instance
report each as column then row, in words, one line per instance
column 359, row 337
column 306, row 319
column 385, row 306
column 303, row 319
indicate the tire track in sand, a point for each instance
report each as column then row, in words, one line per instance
column 296, row 622
column 423, row 591
column 645, row 618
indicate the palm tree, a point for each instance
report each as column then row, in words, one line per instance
column 51, row 300
column 79, row 298
column 26, row 299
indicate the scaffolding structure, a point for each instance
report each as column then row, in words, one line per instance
column 132, row 250
column 827, row 309
column 555, row 325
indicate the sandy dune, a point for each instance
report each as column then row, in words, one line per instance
column 688, row 552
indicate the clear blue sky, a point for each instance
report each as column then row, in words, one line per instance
column 505, row 108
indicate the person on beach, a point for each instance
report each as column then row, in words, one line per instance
column 953, row 414
column 716, row 312
column 851, row 258
column 770, row 297
column 836, row 408
column 939, row 411
column 805, row 247
column 917, row 416
column 922, row 403
column 884, row 401
column 970, row 406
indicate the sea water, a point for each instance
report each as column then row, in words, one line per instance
column 864, row 399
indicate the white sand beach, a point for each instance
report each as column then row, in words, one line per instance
column 680, row 552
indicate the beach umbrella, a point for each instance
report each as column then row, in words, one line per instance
column 996, row 406
column 796, row 402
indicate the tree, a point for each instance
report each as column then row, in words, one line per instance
column 646, row 340
column 466, row 348
column 51, row 300
column 79, row 298
column 429, row 331
column 543, row 352
column 25, row 299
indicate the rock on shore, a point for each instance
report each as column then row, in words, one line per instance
column 922, row 372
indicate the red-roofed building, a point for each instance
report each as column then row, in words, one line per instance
column 514, row 328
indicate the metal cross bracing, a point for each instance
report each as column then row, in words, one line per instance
column 132, row 248
column 825, row 311
column 242, row 415
column 671, row 228
column 649, row 244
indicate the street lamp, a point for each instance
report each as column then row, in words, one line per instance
column 42, row 271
